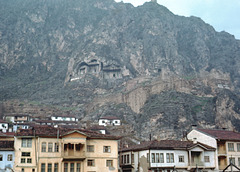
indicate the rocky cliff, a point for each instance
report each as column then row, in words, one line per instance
column 158, row 72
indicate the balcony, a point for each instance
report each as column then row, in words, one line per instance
column 197, row 163
column 222, row 149
column 74, row 151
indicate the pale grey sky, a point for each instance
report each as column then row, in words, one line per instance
column 223, row 15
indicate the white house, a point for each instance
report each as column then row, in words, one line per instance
column 63, row 118
column 109, row 120
column 227, row 144
column 17, row 118
column 167, row 155
column 6, row 156
column 3, row 125
column 97, row 128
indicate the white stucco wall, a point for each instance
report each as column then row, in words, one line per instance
column 205, row 139
column 202, row 138
column 3, row 126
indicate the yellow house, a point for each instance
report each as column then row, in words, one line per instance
column 49, row 149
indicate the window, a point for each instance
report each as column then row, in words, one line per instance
column 50, row 147
column 78, row 146
column 65, row 167
column 90, row 148
column 55, row 167
column 44, row 146
column 90, row 162
column 127, row 158
column 170, row 158
column 49, row 169
column 180, row 158
column 109, row 163
column 22, row 169
column 148, row 157
column 72, row 167
column 132, row 158
column 23, row 160
column 232, row 160
column 9, row 157
column 78, row 167
column 153, row 157
column 238, row 147
column 65, row 147
column 231, row 147
column 206, row 159
column 1, row 157
column 56, row 147
column 43, row 167
column 107, row 149
column 27, row 143
column 238, row 161
column 161, row 157
column 29, row 160
column 70, row 146
column 26, row 154
column 157, row 158
column 124, row 159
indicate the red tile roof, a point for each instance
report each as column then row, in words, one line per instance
column 2, row 121
column 222, row 134
column 7, row 134
column 97, row 127
column 6, row 145
column 166, row 145
column 15, row 114
column 49, row 131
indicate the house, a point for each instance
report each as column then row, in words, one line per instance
column 6, row 155
column 45, row 148
column 226, row 142
column 109, row 120
column 3, row 125
column 63, row 118
column 167, row 155
column 98, row 128
column 112, row 71
column 17, row 118
column 56, row 123
column 25, row 125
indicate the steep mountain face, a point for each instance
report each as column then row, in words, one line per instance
column 158, row 72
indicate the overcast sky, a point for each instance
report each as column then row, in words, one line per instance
column 223, row 15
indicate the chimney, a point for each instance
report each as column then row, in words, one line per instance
column 125, row 145
column 194, row 126
column 150, row 137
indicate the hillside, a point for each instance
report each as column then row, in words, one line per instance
column 158, row 72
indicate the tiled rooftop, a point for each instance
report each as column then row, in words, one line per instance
column 49, row 131
column 2, row 121
column 7, row 134
column 15, row 114
column 165, row 145
column 222, row 134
